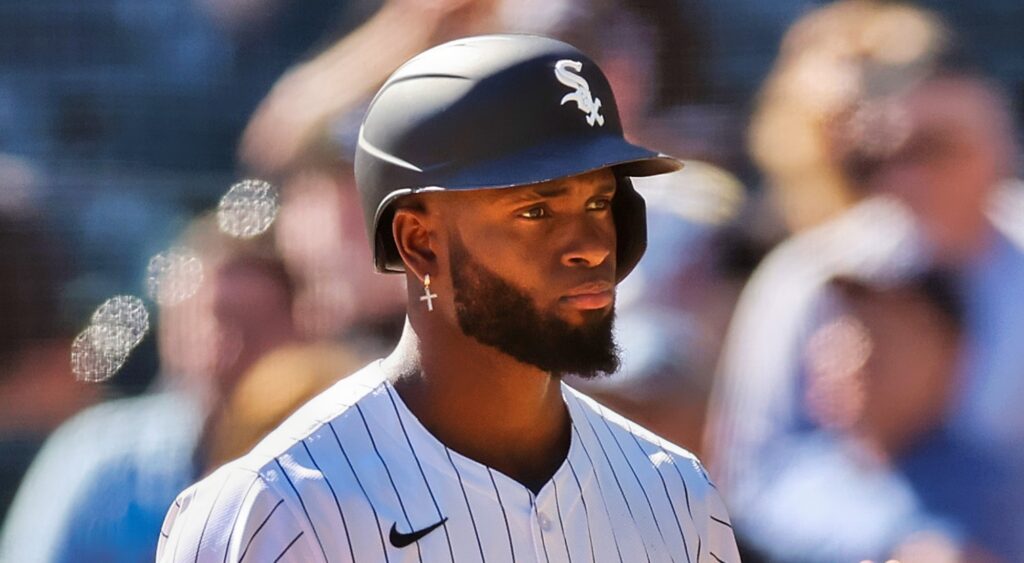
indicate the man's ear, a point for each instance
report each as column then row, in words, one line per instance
column 412, row 232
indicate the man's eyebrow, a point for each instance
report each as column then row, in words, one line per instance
column 553, row 190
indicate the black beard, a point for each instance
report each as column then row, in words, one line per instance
column 494, row 312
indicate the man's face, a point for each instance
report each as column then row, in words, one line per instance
column 241, row 310
column 533, row 272
column 956, row 151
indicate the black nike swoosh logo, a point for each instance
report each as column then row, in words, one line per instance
column 399, row 539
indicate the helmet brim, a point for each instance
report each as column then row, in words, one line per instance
column 561, row 158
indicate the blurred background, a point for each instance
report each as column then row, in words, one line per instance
column 830, row 312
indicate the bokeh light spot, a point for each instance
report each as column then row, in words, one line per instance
column 174, row 276
column 99, row 351
column 248, row 208
column 126, row 311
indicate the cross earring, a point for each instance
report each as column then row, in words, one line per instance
column 427, row 296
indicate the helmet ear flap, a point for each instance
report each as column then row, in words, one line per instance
column 630, row 212
column 385, row 256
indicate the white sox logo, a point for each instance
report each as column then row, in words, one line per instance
column 565, row 72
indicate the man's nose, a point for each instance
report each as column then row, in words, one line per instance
column 589, row 246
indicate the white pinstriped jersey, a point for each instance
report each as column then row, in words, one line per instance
column 354, row 476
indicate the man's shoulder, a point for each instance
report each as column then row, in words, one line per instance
column 656, row 465
column 876, row 239
column 222, row 513
column 333, row 411
column 280, row 486
column 603, row 424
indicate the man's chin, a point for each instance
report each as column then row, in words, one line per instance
column 585, row 318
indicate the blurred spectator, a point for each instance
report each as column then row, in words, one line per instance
column 275, row 386
column 830, row 60
column 867, row 99
column 103, row 481
column 882, row 370
column 880, row 377
column 37, row 390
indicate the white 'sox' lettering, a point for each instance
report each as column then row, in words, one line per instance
column 565, row 72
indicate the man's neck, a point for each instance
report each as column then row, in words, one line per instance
column 482, row 403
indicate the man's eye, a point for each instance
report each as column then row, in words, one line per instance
column 599, row 204
column 534, row 213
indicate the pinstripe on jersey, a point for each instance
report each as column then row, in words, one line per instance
column 354, row 469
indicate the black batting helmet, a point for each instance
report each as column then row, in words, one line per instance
column 497, row 111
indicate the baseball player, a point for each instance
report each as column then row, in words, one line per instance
column 494, row 174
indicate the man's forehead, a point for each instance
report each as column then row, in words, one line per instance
column 597, row 181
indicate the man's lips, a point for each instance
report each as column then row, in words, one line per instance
column 593, row 295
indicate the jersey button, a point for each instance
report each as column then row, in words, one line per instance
column 545, row 522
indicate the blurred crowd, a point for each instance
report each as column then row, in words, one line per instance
column 830, row 312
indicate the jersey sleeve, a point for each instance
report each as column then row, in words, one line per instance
column 704, row 505
column 234, row 515
column 720, row 537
